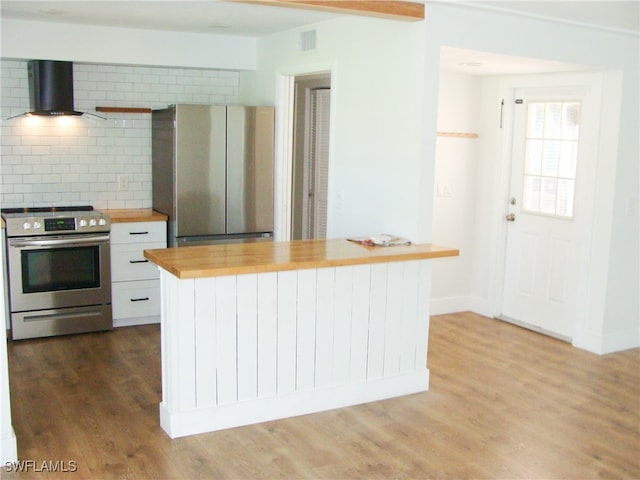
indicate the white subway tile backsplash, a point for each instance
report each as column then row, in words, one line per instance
column 57, row 161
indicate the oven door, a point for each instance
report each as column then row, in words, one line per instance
column 59, row 272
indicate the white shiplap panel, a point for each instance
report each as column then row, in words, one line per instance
column 306, row 329
column 185, row 329
column 247, row 286
column 169, row 340
column 287, row 293
column 342, row 325
column 324, row 326
column 267, row 334
column 226, row 346
column 360, row 322
column 422, row 327
column 177, row 343
column 393, row 319
column 377, row 315
column 205, row 340
column 369, row 318
column 409, row 316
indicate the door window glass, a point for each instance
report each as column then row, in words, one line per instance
column 551, row 156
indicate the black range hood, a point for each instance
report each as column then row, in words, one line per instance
column 51, row 88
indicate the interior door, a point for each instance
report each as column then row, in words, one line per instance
column 310, row 165
column 550, row 207
column 317, row 166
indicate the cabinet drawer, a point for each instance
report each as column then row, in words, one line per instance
column 128, row 262
column 138, row 232
column 135, row 299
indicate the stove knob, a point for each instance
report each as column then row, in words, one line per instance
column 82, row 222
column 37, row 225
column 92, row 222
column 26, row 226
column 102, row 222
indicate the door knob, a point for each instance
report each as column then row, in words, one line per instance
column 511, row 217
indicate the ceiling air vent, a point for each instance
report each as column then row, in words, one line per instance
column 308, row 41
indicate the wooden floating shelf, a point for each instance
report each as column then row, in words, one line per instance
column 123, row 109
column 457, row 134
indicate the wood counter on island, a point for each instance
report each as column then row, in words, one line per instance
column 258, row 331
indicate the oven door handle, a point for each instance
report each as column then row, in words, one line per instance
column 52, row 242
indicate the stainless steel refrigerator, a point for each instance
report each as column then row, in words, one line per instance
column 212, row 172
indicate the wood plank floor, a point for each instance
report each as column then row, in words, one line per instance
column 503, row 402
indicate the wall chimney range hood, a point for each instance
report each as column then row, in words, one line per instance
column 51, row 88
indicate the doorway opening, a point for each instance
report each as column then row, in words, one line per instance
column 472, row 183
column 310, row 156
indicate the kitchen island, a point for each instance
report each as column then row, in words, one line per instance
column 258, row 331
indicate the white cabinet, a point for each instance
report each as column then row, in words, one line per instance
column 135, row 284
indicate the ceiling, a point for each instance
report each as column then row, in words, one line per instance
column 229, row 18
column 218, row 16
column 620, row 15
column 210, row 16
column 472, row 62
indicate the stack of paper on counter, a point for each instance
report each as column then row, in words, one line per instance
column 382, row 240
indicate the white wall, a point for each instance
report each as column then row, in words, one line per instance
column 376, row 158
column 458, row 162
column 613, row 306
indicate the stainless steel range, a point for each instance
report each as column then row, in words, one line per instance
column 59, row 271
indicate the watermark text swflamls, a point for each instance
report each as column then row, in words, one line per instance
column 64, row 466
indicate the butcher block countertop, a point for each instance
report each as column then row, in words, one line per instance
column 258, row 257
column 125, row 215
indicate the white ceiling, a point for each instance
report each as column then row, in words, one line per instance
column 228, row 18
column 471, row 62
column 621, row 15
column 210, row 16
column 218, row 16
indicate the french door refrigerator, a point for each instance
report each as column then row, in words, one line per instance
column 212, row 172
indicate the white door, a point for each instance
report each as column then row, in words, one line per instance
column 317, row 165
column 550, row 207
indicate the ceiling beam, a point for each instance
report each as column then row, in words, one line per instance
column 395, row 10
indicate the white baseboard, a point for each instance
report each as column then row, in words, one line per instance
column 442, row 306
column 610, row 343
column 210, row 419
column 131, row 322
column 481, row 306
column 8, row 448
column 618, row 341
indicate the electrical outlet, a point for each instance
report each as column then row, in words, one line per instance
column 123, row 182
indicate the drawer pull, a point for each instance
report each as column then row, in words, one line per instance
column 143, row 299
column 138, row 261
column 138, row 233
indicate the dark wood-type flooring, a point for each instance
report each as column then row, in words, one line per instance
column 503, row 402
